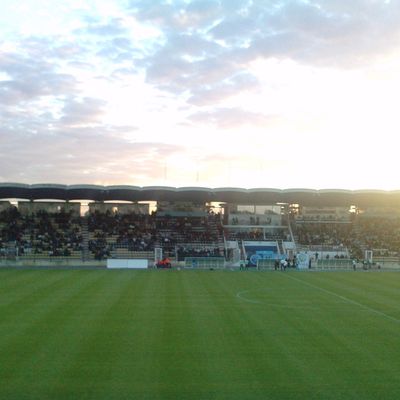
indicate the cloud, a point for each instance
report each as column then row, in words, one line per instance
column 204, row 44
column 82, row 111
column 80, row 155
column 219, row 39
column 113, row 27
column 333, row 32
column 231, row 118
column 181, row 63
column 171, row 15
column 213, row 94
column 185, row 59
column 29, row 77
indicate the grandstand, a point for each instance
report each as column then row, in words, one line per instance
column 251, row 226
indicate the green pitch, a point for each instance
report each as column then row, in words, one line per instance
column 199, row 335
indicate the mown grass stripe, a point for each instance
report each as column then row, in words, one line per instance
column 346, row 299
column 183, row 334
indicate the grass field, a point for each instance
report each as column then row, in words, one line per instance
column 199, row 335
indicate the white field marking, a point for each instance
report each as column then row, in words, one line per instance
column 345, row 299
column 239, row 296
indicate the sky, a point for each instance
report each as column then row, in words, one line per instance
column 210, row 93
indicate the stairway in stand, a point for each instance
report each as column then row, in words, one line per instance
column 85, row 239
column 215, row 231
column 280, row 246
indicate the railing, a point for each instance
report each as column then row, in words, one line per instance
column 205, row 262
column 266, row 264
column 125, row 253
column 335, row 263
column 387, row 263
column 321, row 248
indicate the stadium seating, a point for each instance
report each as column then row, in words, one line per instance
column 41, row 234
column 100, row 235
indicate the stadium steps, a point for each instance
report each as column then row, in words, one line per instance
column 215, row 231
column 280, row 246
column 85, row 239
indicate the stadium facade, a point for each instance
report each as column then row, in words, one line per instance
column 196, row 224
column 255, row 196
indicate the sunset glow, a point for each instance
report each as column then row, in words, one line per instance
column 200, row 93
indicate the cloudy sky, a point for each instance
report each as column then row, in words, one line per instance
column 215, row 93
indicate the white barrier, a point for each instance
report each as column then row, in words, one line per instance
column 127, row 263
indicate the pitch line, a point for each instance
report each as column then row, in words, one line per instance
column 239, row 296
column 382, row 314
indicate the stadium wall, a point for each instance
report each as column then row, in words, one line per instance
column 52, row 263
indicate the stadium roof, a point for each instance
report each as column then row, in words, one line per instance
column 257, row 196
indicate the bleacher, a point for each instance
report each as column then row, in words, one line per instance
column 41, row 235
column 132, row 235
column 120, row 236
column 33, row 232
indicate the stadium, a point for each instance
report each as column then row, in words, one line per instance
column 202, row 227
column 199, row 200
column 162, row 292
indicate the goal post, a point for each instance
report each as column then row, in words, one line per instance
column 368, row 256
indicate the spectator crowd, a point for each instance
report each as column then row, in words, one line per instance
column 102, row 233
